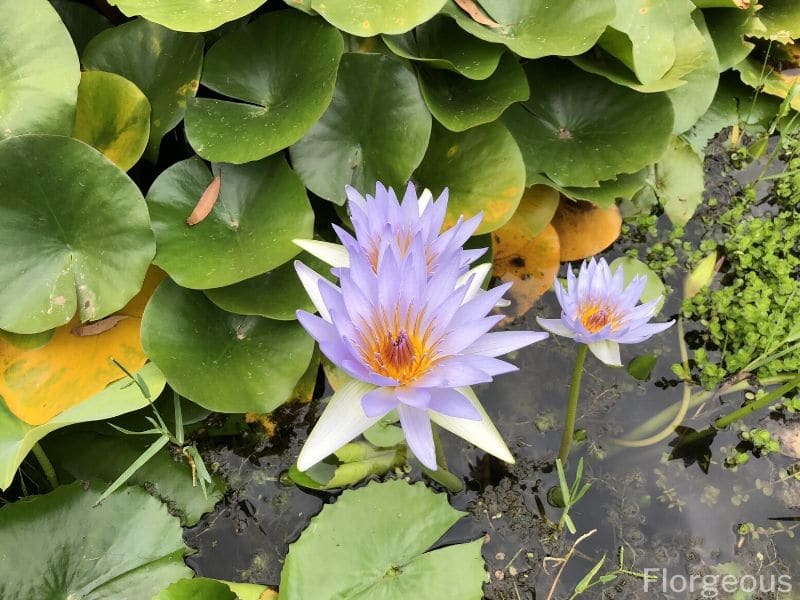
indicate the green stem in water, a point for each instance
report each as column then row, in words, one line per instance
column 572, row 404
column 46, row 465
column 765, row 400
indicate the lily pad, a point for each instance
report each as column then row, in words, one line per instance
column 261, row 207
column 87, row 455
column 728, row 29
column 162, row 63
column 113, row 116
column 188, row 15
column 78, row 239
column 372, row 543
column 780, row 20
column 199, row 588
column 219, row 360
column 83, row 22
column 17, row 437
column 679, row 181
column 607, row 192
column 691, row 101
column 769, row 81
column 371, row 17
column 277, row 294
column 579, row 128
column 585, row 229
column 60, row 545
column 536, row 28
column 376, row 129
column 643, row 36
column 285, row 85
column 38, row 82
column 349, row 465
column 441, row 44
column 459, row 103
column 483, row 169
column 692, row 52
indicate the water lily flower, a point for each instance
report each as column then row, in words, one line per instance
column 599, row 311
column 410, row 329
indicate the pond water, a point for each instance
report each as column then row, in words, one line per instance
column 681, row 512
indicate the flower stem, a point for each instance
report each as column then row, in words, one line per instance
column 572, row 404
column 765, row 400
column 46, row 465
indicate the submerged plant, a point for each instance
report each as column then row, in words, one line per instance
column 408, row 323
column 599, row 312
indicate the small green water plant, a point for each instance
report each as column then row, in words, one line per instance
column 599, row 312
column 592, row 579
column 567, row 495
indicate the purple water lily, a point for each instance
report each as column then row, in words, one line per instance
column 598, row 310
column 408, row 323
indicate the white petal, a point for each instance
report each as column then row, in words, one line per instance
column 503, row 342
column 424, row 199
column 341, row 421
column 606, row 351
column 480, row 272
column 310, row 280
column 482, row 434
column 555, row 326
column 334, row 254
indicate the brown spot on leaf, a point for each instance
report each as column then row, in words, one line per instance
column 477, row 15
column 564, row 133
column 206, row 202
column 59, row 300
column 98, row 327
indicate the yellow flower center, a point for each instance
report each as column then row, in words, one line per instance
column 595, row 317
column 396, row 346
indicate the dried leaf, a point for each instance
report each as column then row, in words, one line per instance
column 98, row 327
column 206, row 203
column 530, row 263
column 473, row 10
column 585, row 229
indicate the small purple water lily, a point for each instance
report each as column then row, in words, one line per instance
column 599, row 311
column 408, row 323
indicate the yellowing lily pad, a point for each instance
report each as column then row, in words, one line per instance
column 529, row 262
column 113, row 116
column 39, row 383
column 585, row 229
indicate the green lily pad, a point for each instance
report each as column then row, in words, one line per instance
column 769, row 81
column 679, row 181
column 483, row 170
column 631, row 267
column 371, row 17
column 199, row 588
column 441, row 44
column 38, row 81
column 372, row 543
column 60, row 545
column 277, row 294
column 608, row 192
column 536, row 28
column 17, row 437
column 779, row 20
column 261, row 207
column 692, row 52
column 579, row 128
column 376, row 129
column 349, row 465
column 113, row 116
column 691, row 101
column 86, row 455
column 459, row 103
column 283, row 92
column 83, row 22
column 79, row 238
column 643, row 36
column 164, row 64
column 223, row 361
column 188, row 15
column 728, row 29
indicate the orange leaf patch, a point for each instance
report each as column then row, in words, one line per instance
column 585, row 229
column 39, row 383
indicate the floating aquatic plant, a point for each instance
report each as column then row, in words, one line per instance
column 408, row 323
column 600, row 312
